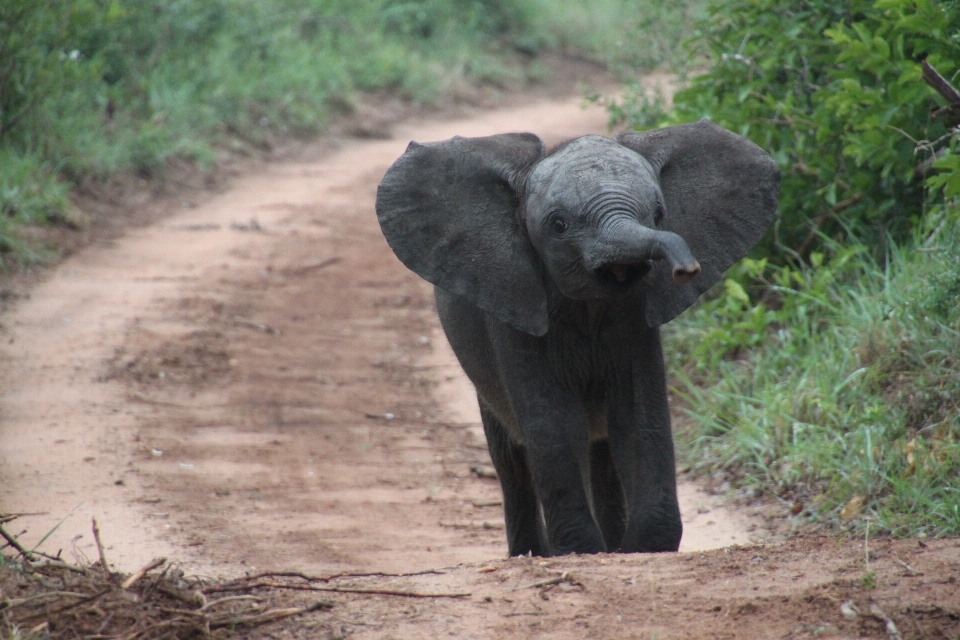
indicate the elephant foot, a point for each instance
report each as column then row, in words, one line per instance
column 581, row 540
column 654, row 533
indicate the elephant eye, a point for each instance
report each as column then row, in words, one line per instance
column 658, row 214
column 558, row 224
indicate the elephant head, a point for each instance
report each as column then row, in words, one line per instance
column 496, row 220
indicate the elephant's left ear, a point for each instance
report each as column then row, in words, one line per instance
column 720, row 193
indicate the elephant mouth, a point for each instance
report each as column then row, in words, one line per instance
column 623, row 275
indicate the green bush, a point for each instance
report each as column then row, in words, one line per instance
column 833, row 92
column 824, row 370
column 838, row 388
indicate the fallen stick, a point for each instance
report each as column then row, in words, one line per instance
column 250, row 324
column 150, row 566
column 911, row 571
column 488, row 503
column 103, row 558
column 10, row 604
column 328, row 578
column 214, row 603
column 12, row 541
column 391, row 592
column 80, row 601
column 566, row 576
column 307, row 587
column 488, row 526
column 58, row 564
column 299, row 271
column 184, row 612
column 268, row 616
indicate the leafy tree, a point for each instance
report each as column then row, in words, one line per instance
column 833, row 91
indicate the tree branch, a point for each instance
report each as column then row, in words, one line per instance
column 940, row 84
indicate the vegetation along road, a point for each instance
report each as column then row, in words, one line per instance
column 219, row 360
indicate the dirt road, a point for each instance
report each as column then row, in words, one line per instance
column 257, row 383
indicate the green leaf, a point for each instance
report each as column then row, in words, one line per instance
column 736, row 291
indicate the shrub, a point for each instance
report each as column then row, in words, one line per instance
column 837, row 391
column 833, row 92
column 823, row 370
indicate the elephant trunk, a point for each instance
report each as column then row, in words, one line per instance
column 623, row 249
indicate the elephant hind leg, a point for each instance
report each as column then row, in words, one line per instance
column 520, row 506
column 609, row 505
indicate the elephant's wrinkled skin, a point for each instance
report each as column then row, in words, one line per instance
column 553, row 273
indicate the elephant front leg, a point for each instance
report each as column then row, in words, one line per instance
column 608, row 502
column 556, row 452
column 553, row 424
column 520, row 508
column 642, row 445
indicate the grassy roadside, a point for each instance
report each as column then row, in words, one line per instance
column 834, row 387
column 90, row 89
column 825, row 371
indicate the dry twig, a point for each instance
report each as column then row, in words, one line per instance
column 215, row 603
column 308, row 587
column 267, row 616
column 328, row 578
column 486, row 503
column 12, row 541
column 910, row 570
column 489, row 526
column 566, row 576
column 57, row 564
column 103, row 558
column 10, row 604
column 299, row 271
column 150, row 566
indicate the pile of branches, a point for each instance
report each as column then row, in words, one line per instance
column 68, row 601
column 42, row 596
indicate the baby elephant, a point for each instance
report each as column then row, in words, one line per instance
column 553, row 273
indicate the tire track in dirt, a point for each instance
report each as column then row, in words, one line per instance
column 258, row 382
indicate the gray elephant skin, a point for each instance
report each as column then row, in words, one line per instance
column 553, row 273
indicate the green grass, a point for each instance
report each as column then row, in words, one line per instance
column 825, row 370
column 629, row 36
column 835, row 385
column 93, row 88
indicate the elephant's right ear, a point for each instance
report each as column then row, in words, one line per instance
column 450, row 211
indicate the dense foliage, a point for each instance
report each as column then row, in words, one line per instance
column 824, row 370
column 90, row 88
column 93, row 87
column 838, row 390
column 833, row 92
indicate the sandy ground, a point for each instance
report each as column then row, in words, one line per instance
column 256, row 383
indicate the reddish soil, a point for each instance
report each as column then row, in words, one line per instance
column 256, row 383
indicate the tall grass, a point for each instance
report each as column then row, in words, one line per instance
column 630, row 36
column 90, row 88
column 839, row 389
